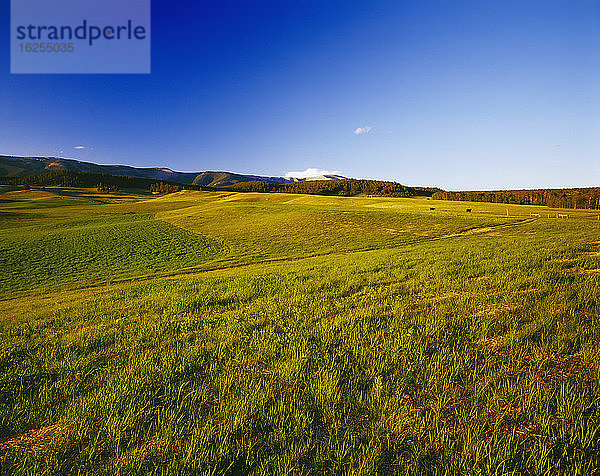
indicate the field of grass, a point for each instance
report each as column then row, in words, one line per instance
column 224, row 333
column 48, row 240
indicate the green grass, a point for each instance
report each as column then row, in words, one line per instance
column 42, row 247
column 266, row 226
column 305, row 337
column 93, row 250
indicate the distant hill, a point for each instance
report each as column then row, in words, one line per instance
column 70, row 172
column 24, row 166
column 11, row 166
column 225, row 179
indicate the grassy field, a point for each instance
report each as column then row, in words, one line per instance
column 230, row 333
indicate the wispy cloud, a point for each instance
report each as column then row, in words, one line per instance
column 554, row 146
column 362, row 130
column 79, row 147
column 311, row 172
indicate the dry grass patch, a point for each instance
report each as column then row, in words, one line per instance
column 471, row 231
column 35, row 440
column 30, row 194
column 589, row 271
column 564, row 260
column 152, row 451
column 549, row 369
column 496, row 309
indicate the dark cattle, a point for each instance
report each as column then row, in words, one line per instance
column 432, row 208
column 468, row 210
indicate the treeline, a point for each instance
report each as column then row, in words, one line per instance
column 348, row 188
column 102, row 182
column 555, row 198
column 165, row 187
column 104, row 188
column 253, row 186
column 336, row 187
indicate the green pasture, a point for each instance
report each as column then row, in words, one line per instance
column 243, row 333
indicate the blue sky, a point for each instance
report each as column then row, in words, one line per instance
column 457, row 94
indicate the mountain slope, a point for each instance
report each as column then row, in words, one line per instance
column 11, row 166
column 23, row 166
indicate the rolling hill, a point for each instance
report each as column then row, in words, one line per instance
column 207, row 332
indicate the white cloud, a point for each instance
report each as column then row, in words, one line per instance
column 79, row 147
column 362, row 130
column 311, row 172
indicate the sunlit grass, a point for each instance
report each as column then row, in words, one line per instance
column 432, row 350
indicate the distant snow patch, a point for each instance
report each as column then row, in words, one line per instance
column 311, row 172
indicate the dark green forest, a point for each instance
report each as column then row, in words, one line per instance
column 102, row 182
column 557, row 198
column 337, row 187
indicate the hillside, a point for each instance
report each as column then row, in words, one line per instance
column 12, row 166
column 218, row 332
column 23, row 166
column 223, row 179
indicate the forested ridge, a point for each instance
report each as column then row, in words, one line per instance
column 337, row 187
